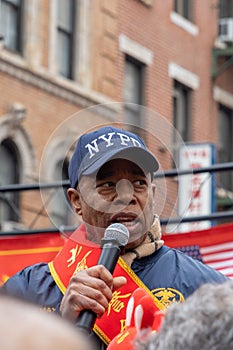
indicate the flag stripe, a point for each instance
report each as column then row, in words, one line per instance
column 217, row 256
column 228, row 271
column 213, row 246
column 221, row 264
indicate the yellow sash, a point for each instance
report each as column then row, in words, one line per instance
column 78, row 254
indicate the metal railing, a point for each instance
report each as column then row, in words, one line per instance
column 170, row 173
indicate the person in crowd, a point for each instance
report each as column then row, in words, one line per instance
column 111, row 181
column 203, row 321
column 24, row 326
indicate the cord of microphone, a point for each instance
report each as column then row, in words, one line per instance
column 116, row 236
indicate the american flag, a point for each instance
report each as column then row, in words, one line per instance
column 213, row 247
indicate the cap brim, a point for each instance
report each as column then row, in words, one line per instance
column 140, row 156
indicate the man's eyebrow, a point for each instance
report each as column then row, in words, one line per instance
column 101, row 175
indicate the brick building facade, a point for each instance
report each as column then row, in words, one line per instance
column 58, row 59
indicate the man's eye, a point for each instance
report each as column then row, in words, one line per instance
column 140, row 182
column 107, row 184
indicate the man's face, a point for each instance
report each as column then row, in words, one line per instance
column 120, row 192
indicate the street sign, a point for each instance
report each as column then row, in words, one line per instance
column 196, row 191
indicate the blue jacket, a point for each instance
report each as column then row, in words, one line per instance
column 168, row 273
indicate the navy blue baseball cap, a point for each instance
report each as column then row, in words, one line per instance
column 96, row 148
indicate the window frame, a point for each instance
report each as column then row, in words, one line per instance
column 223, row 156
column 71, row 40
column 60, row 212
column 225, row 8
column 19, row 26
column 184, row 8
column 11, row 211
column 132, row 106
column 181, row 116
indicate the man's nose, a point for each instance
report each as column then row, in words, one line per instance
column 125, row 191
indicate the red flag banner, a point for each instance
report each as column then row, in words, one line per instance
column 213, row 247
column 17, row 252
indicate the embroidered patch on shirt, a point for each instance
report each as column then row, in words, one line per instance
column 167, row 296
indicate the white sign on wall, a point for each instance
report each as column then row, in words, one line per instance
column 196, row 191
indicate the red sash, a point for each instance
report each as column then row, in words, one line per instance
column 78, row 254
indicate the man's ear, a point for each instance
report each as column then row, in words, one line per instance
column 74, row 197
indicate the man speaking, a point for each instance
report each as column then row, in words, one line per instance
column 111, row 173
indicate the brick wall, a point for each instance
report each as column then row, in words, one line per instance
column 50, row 99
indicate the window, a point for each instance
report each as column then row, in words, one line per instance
column 9, row 174
column 11, row 24
column 133, row 91
column 225, row 8
column 226, row 145
column 59, row 202
column 181, row 118
column 183, row 8
column 65, row 37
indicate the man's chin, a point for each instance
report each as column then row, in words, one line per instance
column 135, row 241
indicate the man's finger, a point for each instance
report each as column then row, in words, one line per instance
column 119, row 282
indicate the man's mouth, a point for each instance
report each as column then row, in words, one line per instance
column 127, row 220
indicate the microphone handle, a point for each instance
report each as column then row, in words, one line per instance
column 85, row 321
column 109, row 257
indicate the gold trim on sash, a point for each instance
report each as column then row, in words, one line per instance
column 77, row 255
column 56, row 278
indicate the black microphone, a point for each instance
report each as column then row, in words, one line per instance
column 116, row 236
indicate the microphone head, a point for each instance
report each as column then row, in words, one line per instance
column 118, row 232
